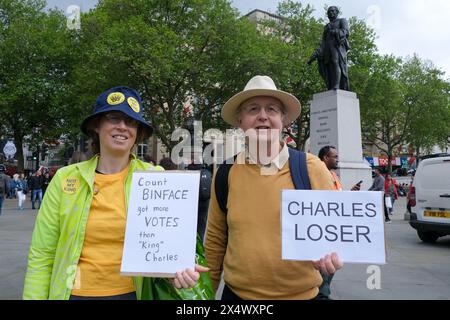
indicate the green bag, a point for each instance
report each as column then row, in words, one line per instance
column 163, row 289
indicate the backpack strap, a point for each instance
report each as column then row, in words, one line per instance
column 297, row 165
column 299, row 170
column 221, row 184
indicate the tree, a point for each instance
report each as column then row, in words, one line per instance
column 35, row 59
column 426, row 93
column 405, row 102
column 300, row 34
column 169, row 51
column 384, row 120
column 362, row 54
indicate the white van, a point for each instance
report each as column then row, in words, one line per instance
column 430, row 212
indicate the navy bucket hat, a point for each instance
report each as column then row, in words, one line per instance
column 122, row 99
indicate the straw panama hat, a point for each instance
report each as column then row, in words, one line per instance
column 260, row 86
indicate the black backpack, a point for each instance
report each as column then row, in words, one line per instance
column 205, row 184
column 297, row 165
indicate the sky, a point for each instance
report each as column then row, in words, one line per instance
column 403, row 27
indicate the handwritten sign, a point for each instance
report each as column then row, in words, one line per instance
column 161, row 223
column 316, row 223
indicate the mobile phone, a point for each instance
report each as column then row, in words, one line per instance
column 359, row 182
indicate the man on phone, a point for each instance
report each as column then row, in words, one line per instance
column 330, row 157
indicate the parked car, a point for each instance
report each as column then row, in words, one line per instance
column 429, row 199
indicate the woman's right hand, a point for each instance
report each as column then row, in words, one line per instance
column 188, row 278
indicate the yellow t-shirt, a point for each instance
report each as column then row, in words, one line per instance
column 98, row 272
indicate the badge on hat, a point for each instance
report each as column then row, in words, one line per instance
column 134, row 104
column 115, row 98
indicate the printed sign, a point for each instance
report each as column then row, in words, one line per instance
column 316, row 223
column 161, row 226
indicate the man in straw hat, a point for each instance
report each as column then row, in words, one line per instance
column 243, row 237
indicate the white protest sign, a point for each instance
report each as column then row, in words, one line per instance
column 160, row 234
column 315, row 223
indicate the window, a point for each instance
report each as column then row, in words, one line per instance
column 142, row 149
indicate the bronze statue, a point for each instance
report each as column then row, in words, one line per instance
column 331, row 55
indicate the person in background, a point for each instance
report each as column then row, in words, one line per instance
column 25, row 184
column 47, row 180
column 36, row 184
column 390, row 189
column 4, row 185
column 378, row 185
column 330, row 157
column 19, row 188
column 11, row 192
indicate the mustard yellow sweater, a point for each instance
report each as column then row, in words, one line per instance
column 249, row 253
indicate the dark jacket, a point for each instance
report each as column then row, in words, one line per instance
column 36, row 182
column 4, row 183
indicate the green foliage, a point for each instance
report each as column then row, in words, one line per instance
column 291, row 42
column 170, row 52
column 426, row 94
column 35, row 60
column 382, row 114
column 405, row 102
column 199, row 51
column 362, row 55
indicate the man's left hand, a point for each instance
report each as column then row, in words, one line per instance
column 329, row 264
column 188, row 278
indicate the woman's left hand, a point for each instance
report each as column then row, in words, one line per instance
column 329, row 264
column 188, row 277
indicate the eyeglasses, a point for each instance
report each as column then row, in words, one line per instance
column 114, row 118
column 254, row 109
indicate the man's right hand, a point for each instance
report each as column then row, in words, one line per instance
column 329, row 264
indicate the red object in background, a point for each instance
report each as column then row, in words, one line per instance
column 383, row 162
column 412, row 195
column 53, row 143
column 10, row 170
